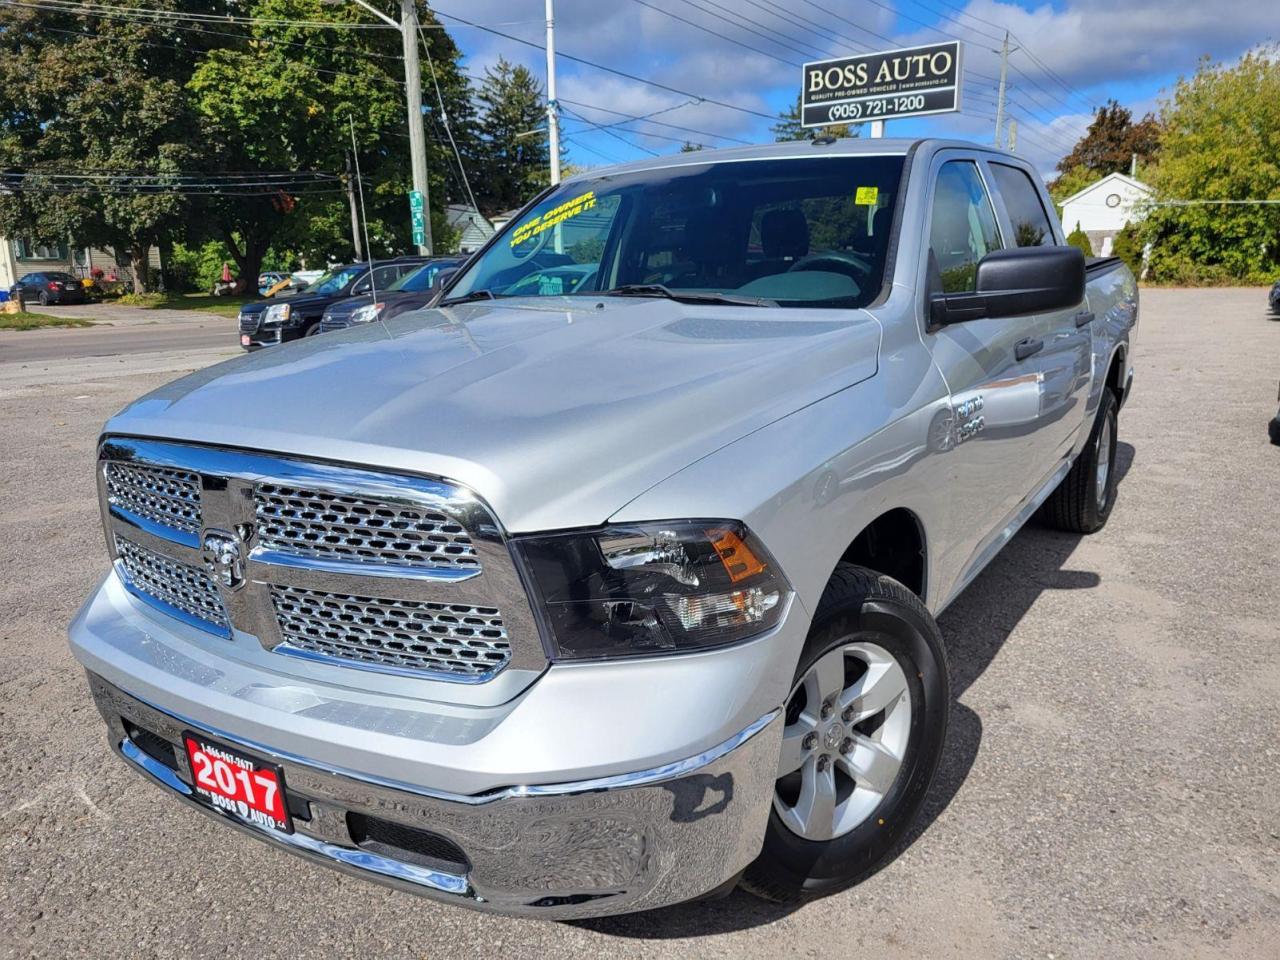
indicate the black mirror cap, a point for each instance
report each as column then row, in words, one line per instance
column 1014, row 283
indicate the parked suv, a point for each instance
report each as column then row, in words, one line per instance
column 48, row 287
column 411, row 291
column 564, row 604
column 269, row 322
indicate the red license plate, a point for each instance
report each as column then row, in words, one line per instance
column 244, row 340
column 237, row 783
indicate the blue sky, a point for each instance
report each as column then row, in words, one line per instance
column 1073, row 56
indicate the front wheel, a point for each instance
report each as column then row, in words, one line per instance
column 44, row 298
column 865, row 723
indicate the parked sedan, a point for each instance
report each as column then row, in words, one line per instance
column 47, row 287
column 410, row 292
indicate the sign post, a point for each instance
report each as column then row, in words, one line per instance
column 418, row 217
column 911, row 82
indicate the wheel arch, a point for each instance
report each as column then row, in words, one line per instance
column 1116, row 381
column 894, row 544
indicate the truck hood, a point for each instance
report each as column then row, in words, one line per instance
column 557, row 412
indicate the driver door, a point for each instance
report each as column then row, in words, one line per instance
column 989, row 367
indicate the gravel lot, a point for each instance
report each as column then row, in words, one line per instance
column 1111, row 787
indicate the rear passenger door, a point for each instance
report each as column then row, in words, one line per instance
column 1064, row 364
column 993, row 382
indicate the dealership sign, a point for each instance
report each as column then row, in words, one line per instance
column 882, row 86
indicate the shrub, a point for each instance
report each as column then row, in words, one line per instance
column 1128, row 247
column 1078, row 238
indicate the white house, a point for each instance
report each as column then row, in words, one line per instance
column 1103, row 208
column 475, row 228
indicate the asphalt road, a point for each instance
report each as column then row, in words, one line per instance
column 71, row 343
column 1111, row 786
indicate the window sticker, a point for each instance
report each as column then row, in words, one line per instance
column 867, row 196
column 570, row 208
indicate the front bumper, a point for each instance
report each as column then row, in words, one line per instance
column 611, row 845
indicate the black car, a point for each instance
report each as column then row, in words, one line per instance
column 1275, row 297
column 410, row 292
column 269, row 322
column 46, row 287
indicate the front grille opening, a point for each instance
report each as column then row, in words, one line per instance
column 408, row 844
column 154, row 746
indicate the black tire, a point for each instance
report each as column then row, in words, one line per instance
column 1075, row 506
column 312, row 330
column 44, row 298
column 862, row 603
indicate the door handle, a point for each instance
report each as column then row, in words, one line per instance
column 1027, row 348
column 1084, row 319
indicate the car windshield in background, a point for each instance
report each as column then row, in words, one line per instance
column 333, row 282
column 418, row 281
column 809, row 231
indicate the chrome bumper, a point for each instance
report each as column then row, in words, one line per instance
column 617, row 844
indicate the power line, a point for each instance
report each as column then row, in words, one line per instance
column 143, row 14
column 600, row 66
column 698, row 26
column 647, row 118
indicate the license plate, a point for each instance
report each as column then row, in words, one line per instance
column 237, row 783
column 244, row 340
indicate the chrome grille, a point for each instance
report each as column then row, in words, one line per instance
column 375, row 570
column 160, row 494
column 459, row 639
column 327, row 526
column 249, row 322
column 187, row 588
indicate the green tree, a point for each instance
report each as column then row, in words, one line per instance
column 1069, row 183
column 1078, row 238
column 1221, row 141
column 89, row 110
column 287, row 99
column 788, row 127
column 1110, row 144
column 516, row 156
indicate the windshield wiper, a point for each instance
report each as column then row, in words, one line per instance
column 468, row 297
column 686, row 296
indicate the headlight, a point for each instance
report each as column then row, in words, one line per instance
column 652, row 588
column 367, row 313
column 275, row 314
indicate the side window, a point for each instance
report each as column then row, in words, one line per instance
column 362, row 286
column 963, row 226
column 1022, row 200
column 386, row 276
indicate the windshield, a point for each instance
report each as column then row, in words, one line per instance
column 797, row 232
column 335, row 280
column 420, row 280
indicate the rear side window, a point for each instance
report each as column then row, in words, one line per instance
column 963, row 225
column 1030, row 222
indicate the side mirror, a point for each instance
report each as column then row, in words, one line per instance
column 1013, row 283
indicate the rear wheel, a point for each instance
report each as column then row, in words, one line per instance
column 44, row 298
column 865, row 722
column 1083, row 501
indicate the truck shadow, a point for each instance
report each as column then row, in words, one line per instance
column 975, row 627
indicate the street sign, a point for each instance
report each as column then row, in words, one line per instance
column 415, row 200
column 419, row 237
column 910, row 82
column 419, row 221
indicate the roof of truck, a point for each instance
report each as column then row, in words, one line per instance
column 848, row 146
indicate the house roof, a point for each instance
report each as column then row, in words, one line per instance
column 459, row 214
column 1110, row 178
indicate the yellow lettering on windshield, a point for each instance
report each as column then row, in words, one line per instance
column 545, row 221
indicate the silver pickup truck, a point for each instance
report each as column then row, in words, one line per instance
column 610, row 581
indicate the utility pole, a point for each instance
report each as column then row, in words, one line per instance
column 417, row 133
column 408, row 27
column 355, row 213
column 1004, row 76
column 553, row 108
column 1013, row 136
